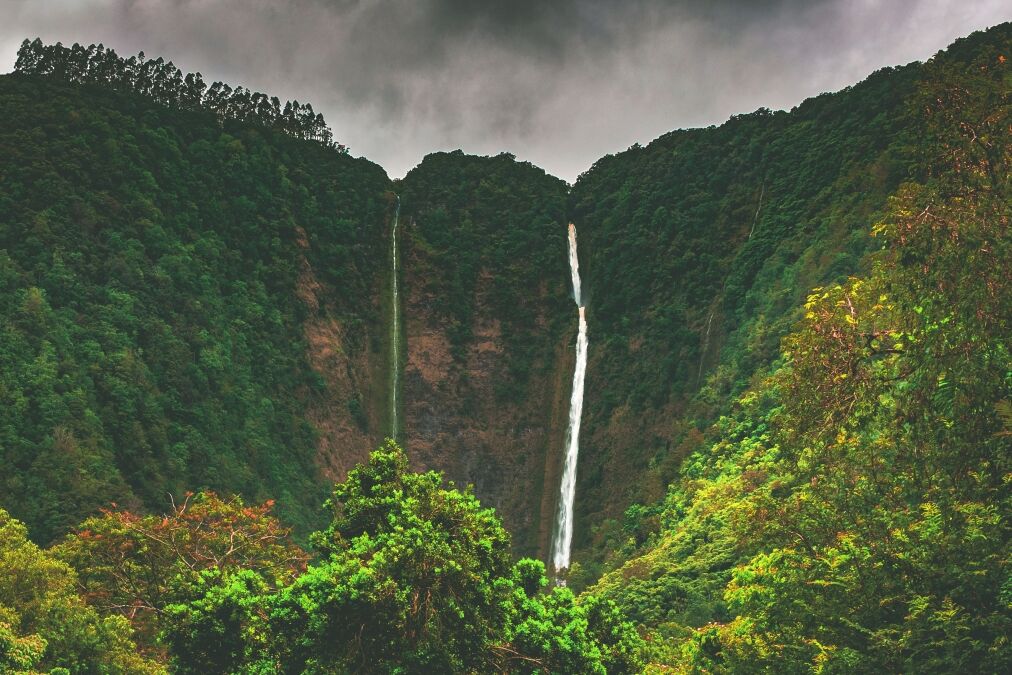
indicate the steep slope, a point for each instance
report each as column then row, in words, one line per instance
column 851, row 513
column 190, row 301
column 488, row 326
column 697, row 251
column 182, row 305
column 204, row 304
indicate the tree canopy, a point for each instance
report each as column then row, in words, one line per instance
column 163, row 82
column 852, row 514
column 411, row 576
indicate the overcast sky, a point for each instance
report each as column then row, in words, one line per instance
column 557, row 83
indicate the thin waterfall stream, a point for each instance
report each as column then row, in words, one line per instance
column 395, row 327
column 562, row 537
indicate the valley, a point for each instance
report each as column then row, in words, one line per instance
column 774, row 360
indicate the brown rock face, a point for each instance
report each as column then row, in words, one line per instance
column 455, row 419
column 347, row 374
column 455, row 414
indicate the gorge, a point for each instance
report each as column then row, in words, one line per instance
column 479, row 297
column 788, row 372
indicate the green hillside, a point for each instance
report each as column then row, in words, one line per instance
column 699, row 249
column 850, row 512
column 152, row 331
column 798, row 421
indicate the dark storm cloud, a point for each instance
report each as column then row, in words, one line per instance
column 558, row 83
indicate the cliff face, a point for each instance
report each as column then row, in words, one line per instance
column 456, row 420
column 345, row 408
column 488, row 320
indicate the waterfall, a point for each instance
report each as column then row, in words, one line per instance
column 574, row 265
column 562, row 538
column 395, row 327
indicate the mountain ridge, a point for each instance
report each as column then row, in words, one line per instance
column 347, row 381
column 796, row 423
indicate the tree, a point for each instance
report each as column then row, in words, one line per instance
column 223, row 626
column 136, row 566
column 415, row 577
column 18, row 653
column 43, row 622
column 557, row 632
column 166, row 84
column 408, row 577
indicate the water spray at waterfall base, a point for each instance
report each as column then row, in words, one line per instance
column 562, row 538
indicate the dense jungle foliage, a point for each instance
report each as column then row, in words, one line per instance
column 498, row 226
column 150, row 332
column 811, row 308
column 851, row 513
column 721, row 233
column 410, row 576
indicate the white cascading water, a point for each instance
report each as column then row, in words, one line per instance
column 563, row 535
column 395, row 327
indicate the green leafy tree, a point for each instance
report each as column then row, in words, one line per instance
column 415, row 577
column 136, row 566
column 557, row 632
column 18, row 653
column 222, row 627
column 45, row 625
column 408, row 576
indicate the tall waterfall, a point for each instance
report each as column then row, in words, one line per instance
column 562, row 538
column 395, row 327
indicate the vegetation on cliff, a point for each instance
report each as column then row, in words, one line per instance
column 494, row 219
column 698, row 253
column 151, row 332
column 801, row 373
column 851, row 513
